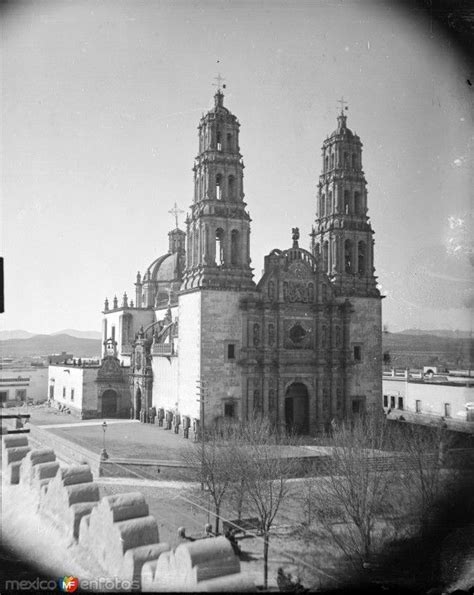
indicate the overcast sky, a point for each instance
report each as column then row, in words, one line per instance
column 101, row 100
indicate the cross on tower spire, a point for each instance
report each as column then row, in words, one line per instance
column 342, row 102
column 175, row 211
column 219, row 80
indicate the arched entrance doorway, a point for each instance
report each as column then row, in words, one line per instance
column 138, row 403
column 109, row 403
column 297, row 408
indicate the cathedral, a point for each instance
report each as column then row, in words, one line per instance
column 301, row 346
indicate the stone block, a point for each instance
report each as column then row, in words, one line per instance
column 13, row 473
column 135, row 559
column 33, row 458
column 75, row 515
column 13, row 454
column 15, row 441
column 203, row 565
column 58, row 498
column 76, row 474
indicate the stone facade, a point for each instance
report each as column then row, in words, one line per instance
column 302, row 347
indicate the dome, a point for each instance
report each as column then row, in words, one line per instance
column 166, row 268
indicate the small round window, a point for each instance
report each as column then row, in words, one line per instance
column 297, row 333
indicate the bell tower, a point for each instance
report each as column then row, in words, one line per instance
column 218, row 228
column 343, row 236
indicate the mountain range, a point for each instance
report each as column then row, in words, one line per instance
column 44, row 345
column 410, row 348
column 20, row 334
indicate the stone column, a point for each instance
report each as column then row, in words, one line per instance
column 281, row 402
column 319, row 402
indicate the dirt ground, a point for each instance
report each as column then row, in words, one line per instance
column 184, row 505
column 318, row 562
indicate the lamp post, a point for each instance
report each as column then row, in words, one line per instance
column 103, row 455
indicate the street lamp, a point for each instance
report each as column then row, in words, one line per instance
column 103, row 455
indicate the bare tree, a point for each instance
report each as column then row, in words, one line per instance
column 264, row 467
column 211, row 463
column 422, row 453
column 354, row 494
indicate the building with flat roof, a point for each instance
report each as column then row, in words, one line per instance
column 444, row 397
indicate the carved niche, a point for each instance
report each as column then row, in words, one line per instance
column 299, row 283
column 297, row 292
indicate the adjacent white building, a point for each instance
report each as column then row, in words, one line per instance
column 446, row 396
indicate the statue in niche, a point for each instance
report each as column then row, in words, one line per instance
column 257, row 403
column 271, row 400
column 138, row 360
column 256, row 334
column 338, row 336
column 271, row 290
column 271, row 334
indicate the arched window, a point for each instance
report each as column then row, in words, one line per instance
column 354, row 160
column 338, row 336
column 329, row 207
column 347, row 205
column 234, row 247
column 361, row 258
column 332, row 160
column 324, row 291
column 231, row 187
column 322, row 205
column 325, row 256
column 317, row 248
column 219, row 186
column 346, row 159
column 229, row 141
column 310, row 292
column 218, row 140
column 357, row 205
column 326, row 163
column 219, row 246
column 348, row 256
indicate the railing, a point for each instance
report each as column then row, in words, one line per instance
column 162, row 349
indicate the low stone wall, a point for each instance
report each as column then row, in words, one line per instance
column 116, row 533
column 70, row 452
column 146, row 469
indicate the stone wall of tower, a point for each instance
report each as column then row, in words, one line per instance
column 209, row 320
column 221, row 320
column 364, row 378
